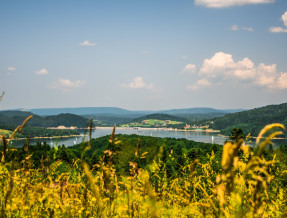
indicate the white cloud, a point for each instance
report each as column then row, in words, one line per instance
column 42, row 72
column 189, row 68
column 200, row 83
column 11, row 68
column 223, row 67
column 250, row 29
column 66, row 85
column 284, row 18
column 275, row 29
column 266, row 75
column 236, row 28
column 229, row 3
column 88, row 43
column 216, row 64
column 282, row 81
column 138, row 83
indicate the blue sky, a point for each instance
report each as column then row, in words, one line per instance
column 143, row 55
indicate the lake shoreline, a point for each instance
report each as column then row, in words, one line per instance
column 51, row 137
column 138, row 129
column 167, row 129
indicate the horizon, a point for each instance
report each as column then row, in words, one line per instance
column 155, row 110
column 143, row 55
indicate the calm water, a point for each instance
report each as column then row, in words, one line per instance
column 206, row 137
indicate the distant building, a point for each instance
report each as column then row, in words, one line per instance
column 187, row 126
column 61, row 127
column 64, row 127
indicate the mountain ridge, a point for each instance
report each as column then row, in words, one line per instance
column 120, row 111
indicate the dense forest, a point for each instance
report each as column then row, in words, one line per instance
column 9, row 120
column 251, row 121
column 160, row 117
column 17, row 117
column 37, row 132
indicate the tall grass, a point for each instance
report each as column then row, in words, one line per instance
column 244, row 187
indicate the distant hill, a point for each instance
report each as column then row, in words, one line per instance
column 115, row 111
column 191, row 111
column 108, row 116
column 15, row 113
column 80, row 111
column 17, row 117
column 252, row 121
column 160, row 117
column 200, row 116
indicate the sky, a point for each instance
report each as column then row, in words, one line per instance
column 143, row 55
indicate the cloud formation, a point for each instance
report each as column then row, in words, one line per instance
column 138, row 83
column 42, row 72
column 200, row 83
column 189, row 69
column 223, row 67
column 275, row 29
column 11, row 68
column 88, row 43
column 236, row 28
column 66, row 85
column 229, row 3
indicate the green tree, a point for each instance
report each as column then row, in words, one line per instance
column 236, row 134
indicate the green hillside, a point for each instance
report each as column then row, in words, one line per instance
column 160, row 117
column 15, row 113
column 17, row 117
column 251, row 121
column 158, row 121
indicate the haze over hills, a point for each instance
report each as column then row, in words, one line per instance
column 121, row 111
column 80, row 111
column 199, row 110
column 251, row 121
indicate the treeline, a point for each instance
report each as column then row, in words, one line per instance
column 160, row 117
column 17, row 117
column 173, row 153
column 29, row 131
column 251, row 121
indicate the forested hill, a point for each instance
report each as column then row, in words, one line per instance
column 14, row 118
column 252, row 121
column 80, row 111
column 160, row 117
column 15, row 113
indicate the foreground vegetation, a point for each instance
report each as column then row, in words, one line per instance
column 124, row 177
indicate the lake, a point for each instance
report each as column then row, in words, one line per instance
column 198, row 136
